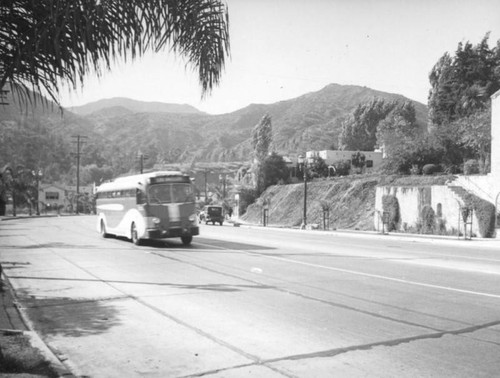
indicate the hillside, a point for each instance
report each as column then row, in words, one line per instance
column 117, row 130
column 352, row 200
column 308, row 122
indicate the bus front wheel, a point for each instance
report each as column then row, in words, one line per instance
column 186, row 240
column 103, row 232
column 134, row 236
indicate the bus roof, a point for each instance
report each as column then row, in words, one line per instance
column 135, row 181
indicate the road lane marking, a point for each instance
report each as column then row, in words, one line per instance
column 400, row 280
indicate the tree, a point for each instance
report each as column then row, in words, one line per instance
column 261, row 142
column 317, row 167
column 418, row 152
column 44, row 42
column 358, row 161
column 274, row 170
column 359, row 129
column 462, row 84
column 475, row 136
column 398, row 128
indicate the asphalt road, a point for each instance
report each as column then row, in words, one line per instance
column 253, row 302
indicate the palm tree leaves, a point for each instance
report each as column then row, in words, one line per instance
column 45, row 41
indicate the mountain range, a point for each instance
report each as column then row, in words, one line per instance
column 128, row 105
column 119, row 129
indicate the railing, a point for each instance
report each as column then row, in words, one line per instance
column 469, row 184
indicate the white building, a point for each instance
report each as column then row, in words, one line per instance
column 373, row 159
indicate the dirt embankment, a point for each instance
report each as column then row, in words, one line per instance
column 351, row 200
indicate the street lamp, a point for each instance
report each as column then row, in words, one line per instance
column 222, row 177
column 303, row 162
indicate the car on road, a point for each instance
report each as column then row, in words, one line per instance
column 214, row 214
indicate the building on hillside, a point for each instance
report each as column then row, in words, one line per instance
column 373, row 159
column 291, row 161
column 58, row 197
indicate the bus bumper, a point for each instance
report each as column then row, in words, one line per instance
column 173, row 232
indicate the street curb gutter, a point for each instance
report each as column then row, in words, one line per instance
column 484, row 242
column 35, row 340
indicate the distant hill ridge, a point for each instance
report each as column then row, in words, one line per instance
column 117, row 129
column 133, row 106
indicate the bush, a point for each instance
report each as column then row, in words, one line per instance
column 471, row 167
column 247, row 197
column 342, row 167
column 428, row 220
column 430, row 169
column 485, row 214
column 452, row 169
column 415, row 170
column 390, row 204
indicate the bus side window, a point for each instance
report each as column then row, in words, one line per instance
column 140, row 196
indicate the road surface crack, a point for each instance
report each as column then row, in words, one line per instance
column 386, row 343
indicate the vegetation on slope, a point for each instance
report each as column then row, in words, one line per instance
column 351, row 200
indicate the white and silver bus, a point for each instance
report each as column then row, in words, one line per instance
column 154, row 205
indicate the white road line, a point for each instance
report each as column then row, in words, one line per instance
column 408, row 282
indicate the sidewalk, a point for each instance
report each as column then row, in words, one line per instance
column 432, row 238
column 22, row 352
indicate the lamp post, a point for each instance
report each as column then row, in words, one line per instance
column 303, row 162
column 141, row 158
column 222, row 177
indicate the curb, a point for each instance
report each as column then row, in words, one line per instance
column 484, row 242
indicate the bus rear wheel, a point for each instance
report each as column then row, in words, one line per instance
column 186, row 240
column 134, row 236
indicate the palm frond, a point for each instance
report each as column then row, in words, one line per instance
column 45, row 41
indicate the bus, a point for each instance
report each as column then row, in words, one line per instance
column 156, row 205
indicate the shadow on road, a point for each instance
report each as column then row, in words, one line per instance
column 69, row 317
column 53, row 245
column 221, row 245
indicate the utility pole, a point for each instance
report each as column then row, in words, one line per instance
column 206, row 172
column 79, row 140
column 142, row 157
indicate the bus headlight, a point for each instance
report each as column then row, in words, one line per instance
column 193, row 219
column 155, row 221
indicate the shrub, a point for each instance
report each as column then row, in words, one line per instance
column 430, row 169
column 471, row 167
column 342, row 167
column 485, row 214
column 428, row 219
column 441, row 226
column 390, row 205
column 452, row 169
column 247, row 197
column 415, row 170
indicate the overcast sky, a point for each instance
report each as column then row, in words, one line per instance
column 281, row 49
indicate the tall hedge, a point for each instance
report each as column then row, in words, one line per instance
column 390, row 204
column 428, row 219
column 485, row 214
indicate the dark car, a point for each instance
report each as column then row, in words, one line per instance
column 214, row 214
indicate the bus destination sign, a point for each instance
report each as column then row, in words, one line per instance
column 164, row 179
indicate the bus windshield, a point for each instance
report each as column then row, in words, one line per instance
column 171, row 193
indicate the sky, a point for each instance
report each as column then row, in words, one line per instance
column 282, row 49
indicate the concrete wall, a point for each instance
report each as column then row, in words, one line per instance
column 413, row 199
